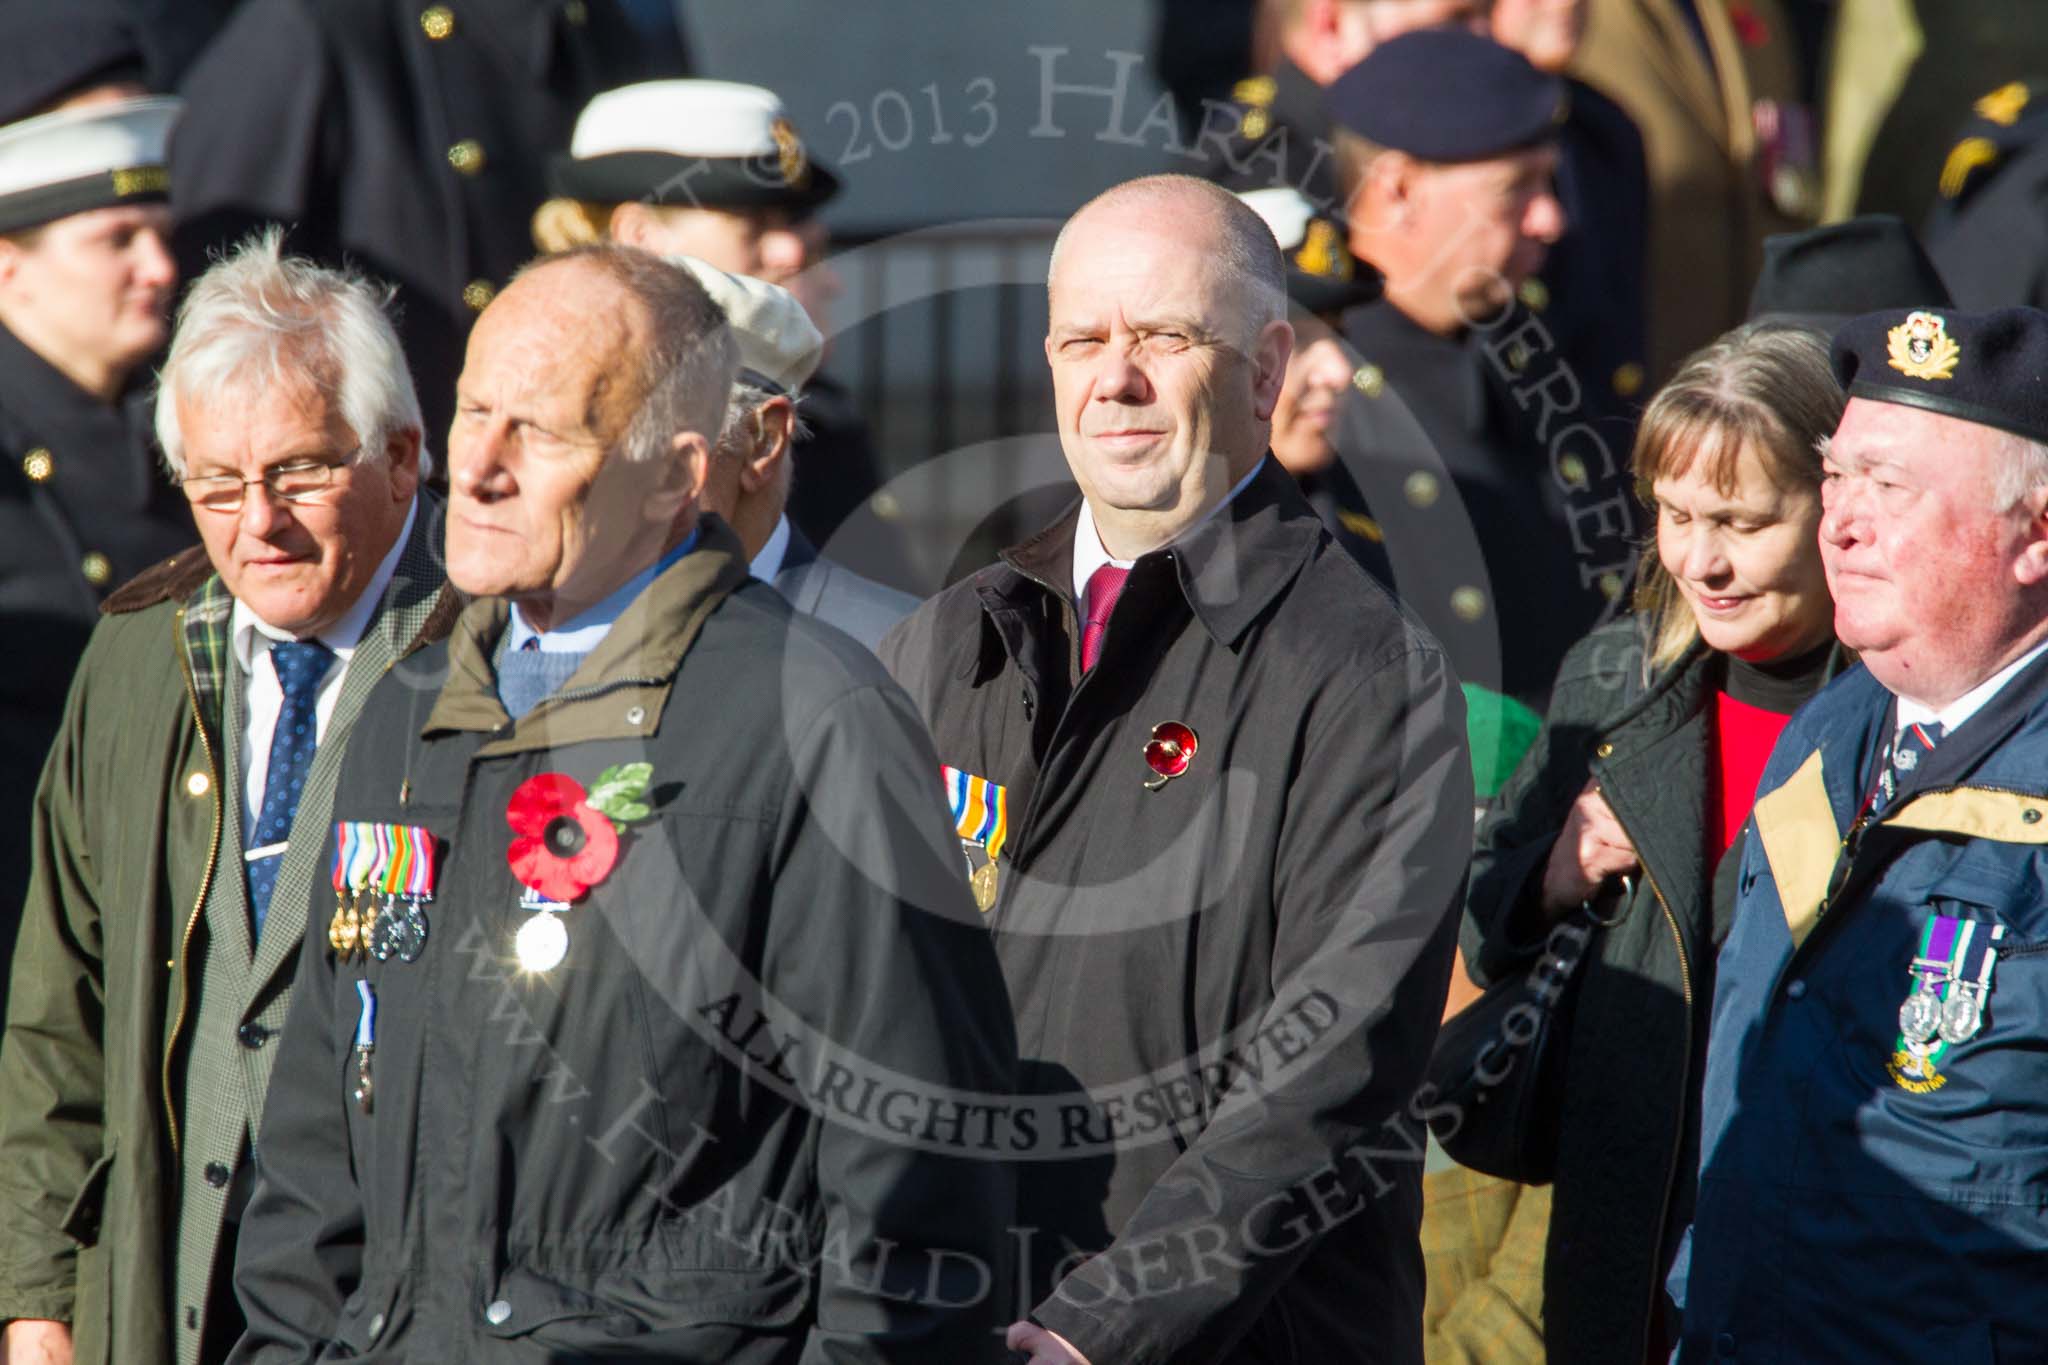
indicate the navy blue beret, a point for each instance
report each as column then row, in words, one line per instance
column 1990, row 368
column 1444, row 94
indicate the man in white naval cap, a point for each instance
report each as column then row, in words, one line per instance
column 716, row 170
column 85, row 290
column 750, row 472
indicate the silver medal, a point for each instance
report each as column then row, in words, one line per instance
column 1920, row 1018
column 542, row 942
column 1961, row 1016
column 409, row 932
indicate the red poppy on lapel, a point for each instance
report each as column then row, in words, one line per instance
column 565, row 846
column 1169, row 752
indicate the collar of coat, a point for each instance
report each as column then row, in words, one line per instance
column 419, row 606
column 631, row 668
column 1982, row 783
column 1229, row 568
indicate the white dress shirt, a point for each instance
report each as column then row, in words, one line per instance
column 1089, row 554
column 252, row 638
column 768, row 563
column 1970, row 703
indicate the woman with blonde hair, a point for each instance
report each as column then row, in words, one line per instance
column 1634, row 795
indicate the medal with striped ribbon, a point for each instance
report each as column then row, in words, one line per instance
column 981, row 817
column 394, row 861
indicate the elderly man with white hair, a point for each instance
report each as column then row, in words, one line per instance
column 1873, row 1144
column 705, row 1058
column 750, row 473
column 185, row 801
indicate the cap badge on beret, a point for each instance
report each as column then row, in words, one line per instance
column 1921, row 348
column 789, row 153
column 1320, row 253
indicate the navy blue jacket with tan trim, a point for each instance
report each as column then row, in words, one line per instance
column 1857, row 1202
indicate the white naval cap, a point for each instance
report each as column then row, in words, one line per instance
column 715, row 143
column 779, row 344
column 1287, row 212
column 97, row 155
column 1323, row 276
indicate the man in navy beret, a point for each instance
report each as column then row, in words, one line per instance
column 1496, row 466
column 1284, row 137
column 1874, row 1138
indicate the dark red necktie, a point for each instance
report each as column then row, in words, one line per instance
column 1105, row 585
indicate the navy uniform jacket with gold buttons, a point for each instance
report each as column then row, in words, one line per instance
column 1988, row 234
column 84, row 507
column 1857, row 1202
column 1500, row 488
column 408, row 138
column 1590, row 290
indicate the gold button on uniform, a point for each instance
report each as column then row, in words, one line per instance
column 1422, row 488
column 38, row 465
column 467, row 156
column 1573, row 469
column 1535, row 294
column 437, row 22
column 198, row 784
column 577, row 13
column 97, row 568
column 1628, row 380
column 1468, row 602
column 478, row 294
column 1610, row 584
column 1370, row 380
column 1603, row 751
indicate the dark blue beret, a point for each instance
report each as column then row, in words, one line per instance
column 49, row 50
column 1990, row 368
column 1444, row 94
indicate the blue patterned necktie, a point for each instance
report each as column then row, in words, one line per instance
column 301, row 667
column 1915, row 742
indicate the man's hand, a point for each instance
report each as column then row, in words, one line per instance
column 1045, row 1348
column 1592, row 848
column 31, row 1341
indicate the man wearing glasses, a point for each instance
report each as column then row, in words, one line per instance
column 184, row 805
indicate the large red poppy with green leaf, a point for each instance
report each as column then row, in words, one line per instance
column 567, row 838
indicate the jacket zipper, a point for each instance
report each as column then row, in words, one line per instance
column 1851, row 847
column 205, row 886
column 1655, row 1298
column 599, row 689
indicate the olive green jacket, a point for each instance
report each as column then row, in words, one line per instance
column 128, row 834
